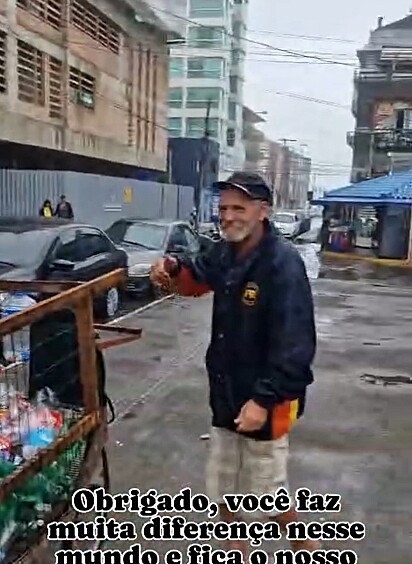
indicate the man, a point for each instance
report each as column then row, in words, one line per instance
column 64, row 209
column 262, row 346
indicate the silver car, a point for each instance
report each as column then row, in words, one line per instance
column 288, row 223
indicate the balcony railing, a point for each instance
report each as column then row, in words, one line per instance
column 350, row 138
column 372, row 75
column 399, row 140
column 384, row 140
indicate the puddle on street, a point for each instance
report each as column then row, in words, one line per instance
column 347, row 270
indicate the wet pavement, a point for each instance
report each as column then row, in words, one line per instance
column 355, row 438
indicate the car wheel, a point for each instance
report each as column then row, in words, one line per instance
column 112, row 302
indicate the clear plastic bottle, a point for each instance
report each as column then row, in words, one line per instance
column 16, row 346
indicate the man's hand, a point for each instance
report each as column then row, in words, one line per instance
column 161, row 271
column 251, row 418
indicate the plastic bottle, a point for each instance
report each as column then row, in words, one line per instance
column 16, row 346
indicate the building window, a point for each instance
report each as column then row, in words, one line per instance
column 206, row 36
column 3, row 62
column 403, row 119
column 155, row 60
column 205, row 67
column 139, row 101
column 195, row 127
column 82, row 88
column 30, row 74
column 201, row 97
column 147, row 99
column 238, row 29
column 55, row 88
column 49, row 11
column 237, row 56
column 176, row 67
column 234, row 85
column 207, row 8
column 94, row 24
column 230, row 137
column 175, row 98
column 175, row 127
column 232, row 111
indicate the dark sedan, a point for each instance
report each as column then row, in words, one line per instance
column 145, row 241
column 57, row 249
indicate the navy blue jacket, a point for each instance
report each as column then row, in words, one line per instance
column 263, row 330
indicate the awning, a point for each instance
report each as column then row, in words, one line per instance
column 361, row 201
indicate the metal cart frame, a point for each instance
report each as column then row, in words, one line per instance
column 78, row 297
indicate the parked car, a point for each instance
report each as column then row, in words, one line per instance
column 57, row 249
column 288, row 223
column 145, row 241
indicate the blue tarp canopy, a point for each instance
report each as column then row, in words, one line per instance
column 394, row 189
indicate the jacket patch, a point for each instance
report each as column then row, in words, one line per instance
column 250, row 294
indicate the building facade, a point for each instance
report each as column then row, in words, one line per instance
column 195, row 162
column 83, row 85
column 287, row 172
column 382, row 102
column 299, row 168
column 207, row 72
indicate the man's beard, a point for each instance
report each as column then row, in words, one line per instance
column 236, row 235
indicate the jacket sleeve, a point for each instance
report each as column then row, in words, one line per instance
column 196, row 276
column 291, row 336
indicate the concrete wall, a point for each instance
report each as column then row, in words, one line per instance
column 99, row 200
column 128, row 123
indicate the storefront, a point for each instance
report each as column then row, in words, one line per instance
column 370, row 220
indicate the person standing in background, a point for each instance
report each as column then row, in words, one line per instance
column 64, row 209
column 47, row 209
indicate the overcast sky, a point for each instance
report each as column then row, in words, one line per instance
column 322, row 128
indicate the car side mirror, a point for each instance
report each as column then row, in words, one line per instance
column 62, row 264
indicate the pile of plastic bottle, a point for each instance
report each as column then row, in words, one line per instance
column 16, row 346
column 25, row 428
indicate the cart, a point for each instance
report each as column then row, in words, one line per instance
column 62, row 322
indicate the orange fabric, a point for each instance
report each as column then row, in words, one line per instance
column 185, row 285
column 283, row 417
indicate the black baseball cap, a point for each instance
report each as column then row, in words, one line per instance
column 249, row 183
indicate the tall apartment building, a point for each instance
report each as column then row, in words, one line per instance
column 83, row 85
column 208, row 70
column 382, row 102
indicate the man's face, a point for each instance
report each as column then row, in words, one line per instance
column 240, row 215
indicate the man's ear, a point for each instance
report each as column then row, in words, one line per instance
column 264, row 210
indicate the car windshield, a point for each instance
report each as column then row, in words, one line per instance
column 145, row 235
column 284, row 218
column 22, row 249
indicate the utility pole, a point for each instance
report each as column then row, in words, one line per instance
column 287, row 179
column 203, row 161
